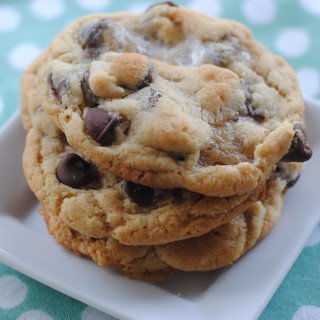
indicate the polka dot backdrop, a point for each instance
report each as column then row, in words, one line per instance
column 287, row 27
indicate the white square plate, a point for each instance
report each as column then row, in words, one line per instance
column 247, row 286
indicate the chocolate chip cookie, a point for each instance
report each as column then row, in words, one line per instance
column 99, row 204
column 218, row 248
column 171, row 98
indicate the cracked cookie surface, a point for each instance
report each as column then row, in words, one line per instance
column 170, row 98
column 99, row 204
column 218, row 248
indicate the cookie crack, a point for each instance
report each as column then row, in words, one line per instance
column 264, row 77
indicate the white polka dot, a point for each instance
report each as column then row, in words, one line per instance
column 314, row 239
column 9, row 19
column 34, row 315
column 47, row 9
column 93, row 5
column 90, row 313
column 259, row 11
column 309, row 80
column 293, row 42
column 210, row 7
column 139, row 7
column 23, row 54
column 12, row 292
column 1, row 105
column 307, row 313
column 312, row 6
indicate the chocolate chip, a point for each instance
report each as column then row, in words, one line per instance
column 91, row 100
column 285, row 174
column 147, row 79
column 251, row 112
column 142, row 195
column 248, row 110
column 92, row 39
column 75, row 172
column 258, row 118
column 101, row 125
column 168, row 3
column 56, row 90
column 300, row 150
column 291, row 183
column 154, row 96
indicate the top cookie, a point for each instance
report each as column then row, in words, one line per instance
column 172, row 98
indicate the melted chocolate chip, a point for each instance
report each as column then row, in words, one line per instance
column 92, row 39
column 154, row 97
column 286, row 175
column 141, row 195
column 168, row 3
column 91, row 100
column 300, row 150
column 101, row 125
column 247, row 104
column 56, row 90
column 256, row 117
column 249, row 110
column 291, row 183
column 252, row 113
column 147, row 79
column 75, row 172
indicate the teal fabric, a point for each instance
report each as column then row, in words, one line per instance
column 287, row 27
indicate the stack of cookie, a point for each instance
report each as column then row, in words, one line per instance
column 161, row 141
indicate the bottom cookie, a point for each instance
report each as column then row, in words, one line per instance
column 219, row 248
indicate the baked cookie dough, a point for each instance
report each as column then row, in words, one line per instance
column 99, row 204
column 219, row 248
column 171, row 98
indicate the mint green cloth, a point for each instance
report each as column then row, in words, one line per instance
column 287, row 27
